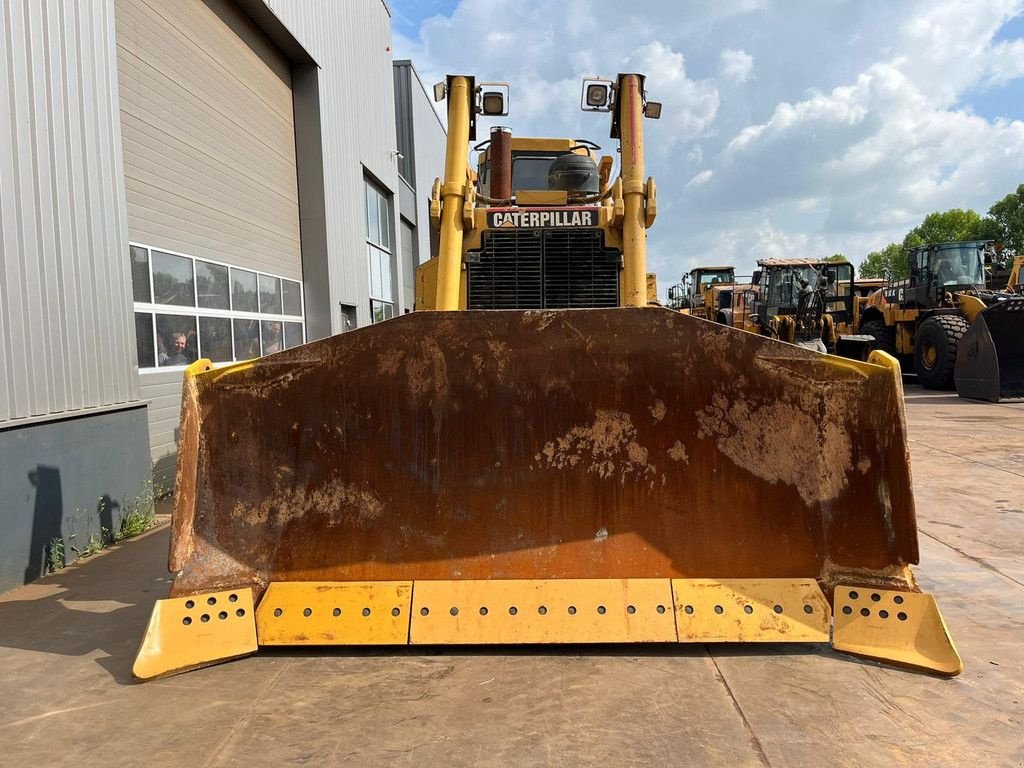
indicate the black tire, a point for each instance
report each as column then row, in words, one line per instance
column 935, row 346
column 885, row 335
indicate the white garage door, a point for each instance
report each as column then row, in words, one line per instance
column 208, row 134
column 209, row 155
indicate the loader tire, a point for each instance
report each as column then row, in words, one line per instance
column 935, row 347
column 885, row 335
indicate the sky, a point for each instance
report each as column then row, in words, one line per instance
column 789, row 127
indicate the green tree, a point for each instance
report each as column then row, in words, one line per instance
column 945, row 227
column 835, row 257
column 988, row 229
column 889, row 263
column 1008, row 218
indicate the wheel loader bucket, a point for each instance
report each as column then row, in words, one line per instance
column 990, row 361
column 621, row 475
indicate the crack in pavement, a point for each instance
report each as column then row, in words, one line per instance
column 754, row 740
column 984, row 564
column 967, row 458
column 215, row 755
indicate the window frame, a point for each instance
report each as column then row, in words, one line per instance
column 198, row 312
column 384, row 202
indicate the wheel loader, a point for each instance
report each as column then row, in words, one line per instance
column 957, row 332
column 537, row 455
column 800, row 301
column 703, row 291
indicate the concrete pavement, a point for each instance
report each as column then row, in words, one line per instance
column 67, row 643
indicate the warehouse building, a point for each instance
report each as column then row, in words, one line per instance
column 183, row 179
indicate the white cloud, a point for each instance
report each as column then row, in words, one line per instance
column 701, row 178
column 1006, row 61
column 736, row 66
column 857, row 127
column 689, row 106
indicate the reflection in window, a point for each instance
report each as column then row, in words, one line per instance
column 172, row 280
column 292, row 335
column 270, row 295
column 385, row 224
column 243, row 291
column 176, row 340
column 212, row 285
column 381, row 310
column 292, row 297
column 273, row 341
column 380, row 274
column 243, row 313
column 375, row 283
column 247, row 339
column 531, row 172
column 378, row 217
column 140, row 275
column 215, row 339
column 144, row 354
column 372, row 214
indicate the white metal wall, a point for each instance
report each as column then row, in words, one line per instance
column 351, row 41
column 66, row 337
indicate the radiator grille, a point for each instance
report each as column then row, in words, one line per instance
column 543, row 269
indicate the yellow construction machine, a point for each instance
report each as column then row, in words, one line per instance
column 1015, row 282
column 703, row 291
column 538, row 456
column 801, row 301
column 957, row 332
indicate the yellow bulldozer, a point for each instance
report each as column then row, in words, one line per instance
column 957, row 332
column 537, row 455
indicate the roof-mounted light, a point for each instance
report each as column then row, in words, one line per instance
column 492, row 99
column 597, row 95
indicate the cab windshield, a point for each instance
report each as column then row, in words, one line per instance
column 707, row 278
column 784, row 284
column 529, row 171
column 958, row 266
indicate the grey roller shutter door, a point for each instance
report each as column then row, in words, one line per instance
column 208, row 134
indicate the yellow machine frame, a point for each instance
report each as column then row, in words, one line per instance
column 627, row 209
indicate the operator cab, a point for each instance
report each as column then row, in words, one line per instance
column 782, row 281
column 547, row 165
column 939, row 269
column 951, row 266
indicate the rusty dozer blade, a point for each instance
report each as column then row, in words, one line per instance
column 990, row 358
column 572, row 447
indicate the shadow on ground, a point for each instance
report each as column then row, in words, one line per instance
column 100, row 604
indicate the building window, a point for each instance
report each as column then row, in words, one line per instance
column 188, row 308
column 348, row 318
column 379, row 253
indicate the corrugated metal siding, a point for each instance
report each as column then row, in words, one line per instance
column 430, row 137
column 163, row 391
column 421, row 140
column 403, row 123
column 351, row 41
column 209, row 134
column 65, row 294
